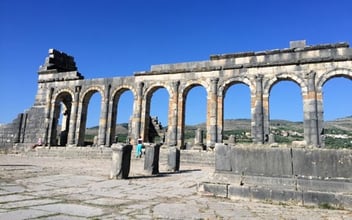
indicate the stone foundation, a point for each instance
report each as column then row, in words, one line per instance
column 303, row 176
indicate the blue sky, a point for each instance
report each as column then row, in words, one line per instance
column 116, row 38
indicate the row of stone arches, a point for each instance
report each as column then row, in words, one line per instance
column 74, row 102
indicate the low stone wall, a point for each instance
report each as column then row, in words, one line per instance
column 284, row 162
column 305, row 176
column 203, row 158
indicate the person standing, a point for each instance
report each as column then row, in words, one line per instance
column 139, row 147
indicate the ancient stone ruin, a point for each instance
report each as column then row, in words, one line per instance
column 261, row 170
column 62, row 90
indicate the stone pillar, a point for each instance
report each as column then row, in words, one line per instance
column 173, row 112
column 104, row 117
column 312, row 118
column 121, row 161
column 173, row 159
column 212, row 113
column 266, row 121
column 222, row 157
column 180, row 120
column 220, row 121
column 137, row 114
column 111, row 121
column 257, row 106
column 232, row 139
column 47, row 116
column 271, row 139
column 198, row 140
column 73, row 120
column 151, row 160
column 81, row 124
column 54, row 115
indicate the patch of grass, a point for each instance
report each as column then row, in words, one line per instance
column 329, row 206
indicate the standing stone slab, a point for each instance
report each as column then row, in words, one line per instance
column 173, row 159
column 222, row 157
column 121, row 161
column 232, row 139
column 151, row 160
column 198, row 140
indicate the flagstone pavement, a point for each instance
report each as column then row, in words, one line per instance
column 59, row 188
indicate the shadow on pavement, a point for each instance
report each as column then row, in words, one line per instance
column 162, row 174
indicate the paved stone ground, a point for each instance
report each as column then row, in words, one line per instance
column 58, row 188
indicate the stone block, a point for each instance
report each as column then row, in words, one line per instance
column 151, row 160
column 121, row 161
column 222, row 157
column 322, row 163
column 298, row 44
column 261, row 161
column 261, row 193
column 239, row 191
column 286, row 195
column 327, row 185
column 173, row 159
column 319, row 198
column 214, row 189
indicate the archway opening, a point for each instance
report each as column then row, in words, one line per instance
column 337, row 112
column 237, row 113
column 90, row 117
column 61, row 120
column 195, row 117
column 122, row 112
column 286, row 112
column 158, row 116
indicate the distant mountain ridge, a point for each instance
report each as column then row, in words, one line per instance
column 245, row 124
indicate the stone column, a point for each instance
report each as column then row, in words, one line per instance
column 80, row 126
column 173, row 112
column 73, row 120
column 257, row 106
column 137, row 114
column 53, row 124
column 180, row 119
column 212, row 113
column 232, row 140
column 47, row 116
column 151, row 160
column 198, row 140
column 266, row 121
column 312, row 122
column 110, row 133
column 104, row 117
column 220, row 121
column 121, row 161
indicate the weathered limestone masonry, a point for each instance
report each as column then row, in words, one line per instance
column 63, row 90
column 298, row 175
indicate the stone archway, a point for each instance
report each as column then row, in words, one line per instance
column 184, row 94
column 114, row 106
column 83, row 115
column 61, row 110
column 308, row 66
column 240, row 134
column 152, row 127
